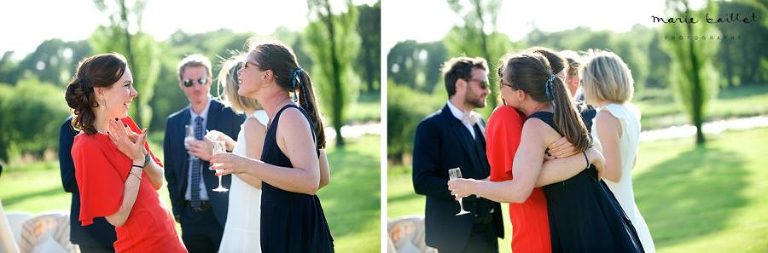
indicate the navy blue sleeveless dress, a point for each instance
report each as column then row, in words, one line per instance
column 290, row 221
column 584, row 216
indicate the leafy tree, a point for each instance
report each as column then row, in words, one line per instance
column 739, row 58
column 403, row 117
column 693, row 76
column 54, row 61
column 478, row 36
column 8, row 69
column 403, row 63
column 369, row 28
column 32, row 113
column 124, row 36
column 334, row 43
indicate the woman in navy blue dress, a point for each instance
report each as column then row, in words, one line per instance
column 292, row 219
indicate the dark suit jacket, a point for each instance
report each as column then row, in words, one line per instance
column 100, row 233
column 442, row 142
column 176, row 161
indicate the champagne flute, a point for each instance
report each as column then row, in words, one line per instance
column 190, row 135
column 218, row 148
column 454, row 174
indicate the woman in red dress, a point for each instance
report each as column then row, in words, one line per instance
column 118, row 176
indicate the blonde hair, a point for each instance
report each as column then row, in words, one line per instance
column 606, row 78
column 227, row 81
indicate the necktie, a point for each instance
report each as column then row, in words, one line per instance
column 197, row 168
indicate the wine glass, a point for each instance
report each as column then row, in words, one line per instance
column 454, row 174
column 190, row 135
column 218, row 148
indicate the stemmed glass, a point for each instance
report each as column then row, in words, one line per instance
column 190, row 135
column 454, row 174
column 218, row 148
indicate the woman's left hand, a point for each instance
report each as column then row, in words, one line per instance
column 228, row 163
column 461, row 187
column 128, row 142
column 560, row 148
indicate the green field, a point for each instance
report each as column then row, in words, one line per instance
column 350, row 201
column 660, row 109
column 707, row 199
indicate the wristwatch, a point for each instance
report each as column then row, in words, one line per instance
column 146, row 159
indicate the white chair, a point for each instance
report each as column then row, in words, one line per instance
column 407, row 235
column 47, row 233
column 15, row 221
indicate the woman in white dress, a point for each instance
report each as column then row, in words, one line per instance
column 242, row 230
column 608, row 86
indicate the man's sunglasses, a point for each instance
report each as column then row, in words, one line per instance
column 189, row 82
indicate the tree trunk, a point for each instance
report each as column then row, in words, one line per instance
column 697, row 99
column 338, row 93
column 131, row 59
column 486, row 52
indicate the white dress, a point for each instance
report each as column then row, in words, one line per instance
column 242, row 230
column 629, row 117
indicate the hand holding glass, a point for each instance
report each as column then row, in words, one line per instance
column 454, row 174
column 218, row 148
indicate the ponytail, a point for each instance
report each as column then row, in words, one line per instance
column 567, row 119
column 302, row 85
column 531, row 73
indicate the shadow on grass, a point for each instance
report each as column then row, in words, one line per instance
column 691, row 195
column 351, row 200
column 407, row 196
column 10, row 201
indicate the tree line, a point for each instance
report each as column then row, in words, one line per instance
column 31, row 89
column 693, row 68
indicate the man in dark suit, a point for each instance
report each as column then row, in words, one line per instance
column 454, row 138
column 99, row 236
column 201, row 211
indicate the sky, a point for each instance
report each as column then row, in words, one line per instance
column 430, row 20
column 25, row 24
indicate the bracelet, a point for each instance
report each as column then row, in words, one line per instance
column 137, row 166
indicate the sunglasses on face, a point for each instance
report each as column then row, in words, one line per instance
column 480, row 82
column 189, row 82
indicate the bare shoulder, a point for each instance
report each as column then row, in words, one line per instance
column 293, row 121
column 535, row 127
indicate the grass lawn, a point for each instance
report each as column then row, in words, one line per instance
column 366, row 109
column 350, row 201
column 707, row 199
column 659, row 108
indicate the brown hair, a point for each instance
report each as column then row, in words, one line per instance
column 273, row 55
column 531, row 73
column 573, row 60
column 460, row 68
column 194, row 60
column 101, row 70
column 556, row 61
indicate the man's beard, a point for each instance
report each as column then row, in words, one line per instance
column 475, row 101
